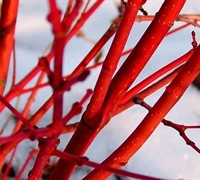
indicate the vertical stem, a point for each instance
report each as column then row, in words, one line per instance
column 112, row 58
column 59, row 43
column 14, row 66
column 84, row 136
column 48, row 144
column 46, row 148
column 7, row 29
column 71, row 14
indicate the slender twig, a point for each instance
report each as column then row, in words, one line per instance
column 30, row 156
column 178, row 127
column 97, row 47
column 30, row 101
column 14, row 65
column 85, row 161
column 16, row 113
column 156, row 75
column 5, row 175
column 180, row 17
column 76, row 107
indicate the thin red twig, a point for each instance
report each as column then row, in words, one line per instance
column 178, row 127
column 30, row 156
column 85, row 161
column 5, row 175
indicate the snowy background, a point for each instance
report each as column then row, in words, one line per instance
column 165, row 154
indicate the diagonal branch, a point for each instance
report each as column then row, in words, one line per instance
column 156, row 114
column 178, row 127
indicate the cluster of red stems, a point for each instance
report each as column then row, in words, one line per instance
column 111, row 95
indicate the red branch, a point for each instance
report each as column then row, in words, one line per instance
column 98, row 46
column 30, row 156
column 141, row 54
column 178, row 127
column 91, row 117
column 16, row 113
column 148, row 90
column 156, row 114
column 19, row 86
column 111, row 94
column 155, row 76
column 7, row 30
column 59, row 42
column 85, row 161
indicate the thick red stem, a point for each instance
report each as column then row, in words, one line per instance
column 76, row 145
column 141, row 54
column 156, row 114
column 112, row 59
column 7, row 30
